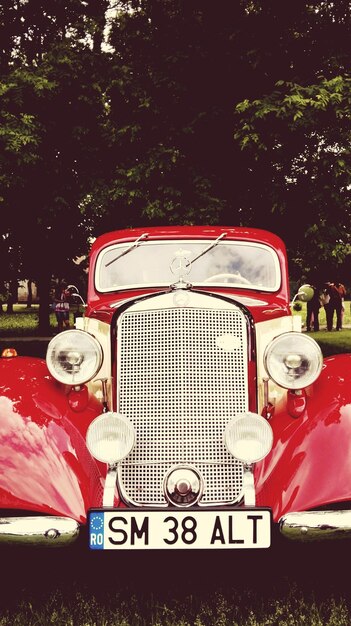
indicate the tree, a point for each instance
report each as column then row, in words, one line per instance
column 170, row 112
column 189, row 115
column 295, row 136
column 51, row 112
column 238, row 116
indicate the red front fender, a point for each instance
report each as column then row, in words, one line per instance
column 44, row 460
column 310, row 463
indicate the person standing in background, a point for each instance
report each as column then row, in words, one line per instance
column 333, row 306
column 313, row 307
column 342, row 291
column 62, row 306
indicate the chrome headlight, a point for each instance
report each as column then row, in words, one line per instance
column 293, row 360
column 110, row 437
column 74, row 357
column 248, row 437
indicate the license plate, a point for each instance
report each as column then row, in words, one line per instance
column 130, row 529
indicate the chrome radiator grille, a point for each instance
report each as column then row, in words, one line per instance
column 182, row 375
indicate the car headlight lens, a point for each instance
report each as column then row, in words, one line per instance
column 74, row 357
column 293, row 360
column 110, row 437
column 248, row 437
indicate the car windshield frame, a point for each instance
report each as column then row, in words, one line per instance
column 181, row 247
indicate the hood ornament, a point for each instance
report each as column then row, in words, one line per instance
column 180, row 268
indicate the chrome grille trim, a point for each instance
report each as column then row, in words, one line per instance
column 182, row 375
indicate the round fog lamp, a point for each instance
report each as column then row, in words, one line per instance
column 110, row 437
column 248, row 437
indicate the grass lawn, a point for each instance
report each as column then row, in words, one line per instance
column 24, row 322
column 331, row 342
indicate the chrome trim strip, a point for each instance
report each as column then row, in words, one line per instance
column 316, row 525
column 110, row 486
column 198, row 462
column 46, row 530
column 249, row 486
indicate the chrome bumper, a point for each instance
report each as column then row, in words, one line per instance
column 316, row 525
column 45, row 530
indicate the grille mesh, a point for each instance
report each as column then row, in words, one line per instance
column 182, row 375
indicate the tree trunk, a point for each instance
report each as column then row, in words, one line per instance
column 44, row 304
column 12, row 297
column 9, row 308
column 30, row 293
column 97, row 9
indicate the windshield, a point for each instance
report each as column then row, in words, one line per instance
column 229, row 263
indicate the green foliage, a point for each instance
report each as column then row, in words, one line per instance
column 188, row 115
column 51, row 114
column 294, row 132
column 302, row 135
column 299, row 106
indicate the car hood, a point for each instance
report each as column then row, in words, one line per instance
column 261, row 306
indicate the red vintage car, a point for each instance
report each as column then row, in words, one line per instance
column 185, row 410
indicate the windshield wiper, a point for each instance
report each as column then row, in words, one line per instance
column 212, row 245
column 133, row 245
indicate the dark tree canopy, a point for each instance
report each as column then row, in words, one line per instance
column 236, row 116
column 52, row 115
column 177, row 112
